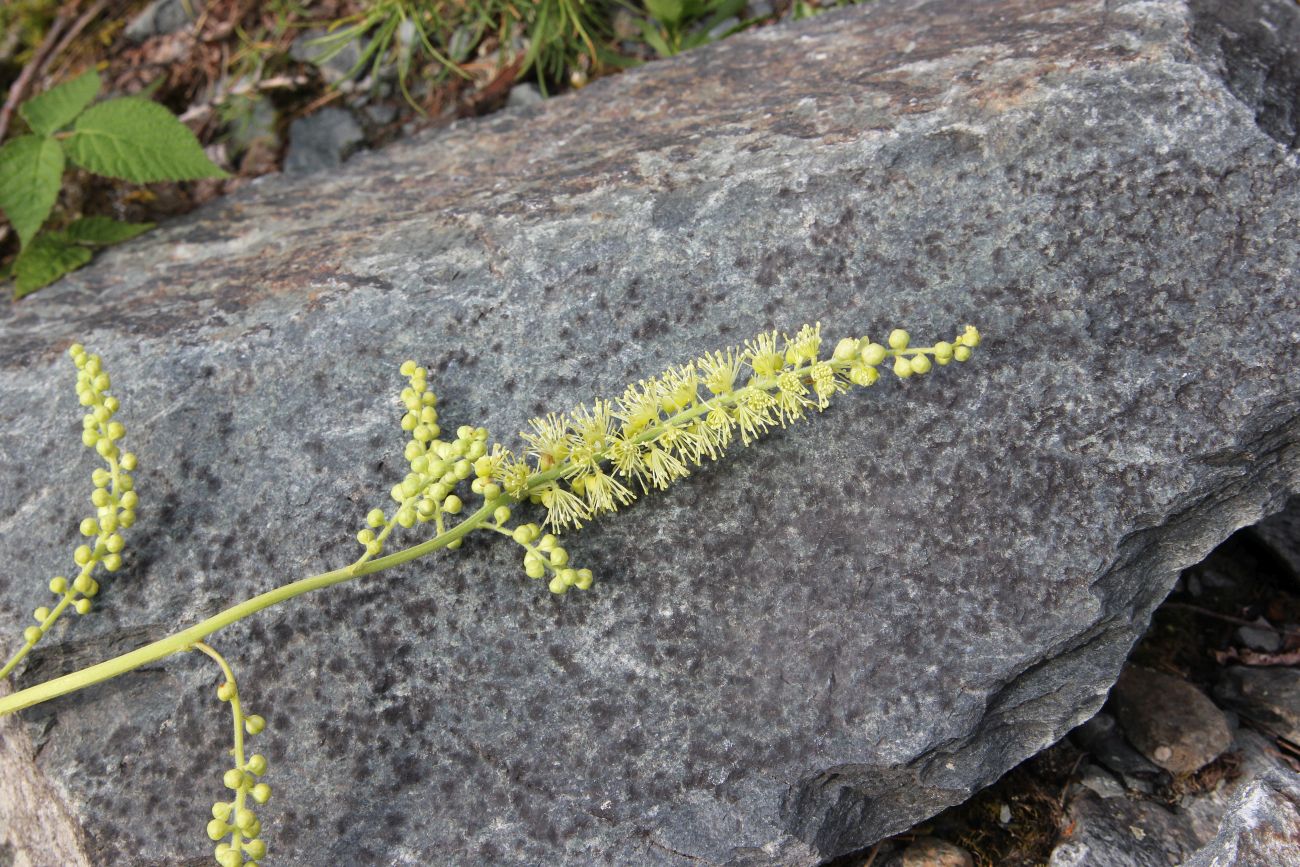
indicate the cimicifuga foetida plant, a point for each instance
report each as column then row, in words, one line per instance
column 597, row 458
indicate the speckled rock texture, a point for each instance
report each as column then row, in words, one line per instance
column 1261, row 827
column 818, row 642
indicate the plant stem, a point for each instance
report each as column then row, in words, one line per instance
column 237, row 716
column 187, row 638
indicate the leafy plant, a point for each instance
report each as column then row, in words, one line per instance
column 128, row 138
column 680, row 25
column 546, row 38
column 596, row 459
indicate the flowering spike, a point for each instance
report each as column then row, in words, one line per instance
column 113, row 498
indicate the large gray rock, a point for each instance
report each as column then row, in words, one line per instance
column 819, row 641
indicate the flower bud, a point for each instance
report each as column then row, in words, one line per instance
column 873, row 353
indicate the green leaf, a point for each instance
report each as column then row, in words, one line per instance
column 137, row 140
column 655, row 40
column 670, row 12
column 47, row 258
column 31, row 169
column 103, row 230
column 56, row 108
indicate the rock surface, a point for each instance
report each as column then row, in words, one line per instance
column 1111, row 829
column 1261, row 828
column 1171, row 722
column 1119, row 832
column 822, row 640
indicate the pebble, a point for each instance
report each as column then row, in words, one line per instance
column 1171, row 722
column 524, row 94
column 933, row 852
column 1269, row 695
column 1101, row 782
column 160, row 18
column 322, row 140
column 335, row 68
column 1260, row 636
column 1101, row 738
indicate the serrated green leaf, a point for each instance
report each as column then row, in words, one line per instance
column 103, row 230
column 56, row 108
column 31, row 169
column 47, row 258
column 137, row 140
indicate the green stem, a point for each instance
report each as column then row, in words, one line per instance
column 237, row 714
column 186, row 638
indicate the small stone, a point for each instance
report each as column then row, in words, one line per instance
column 523, row 95
column 1004, row 815
column 1270, row 695
column 1101, row 782
column 1260, row 636
column 1170, row 721
column 255, row 123
column 322, row 141
column 381, row 113
column 1101, row 738
column 933, row 852
column 333, row 67
column 160, row 18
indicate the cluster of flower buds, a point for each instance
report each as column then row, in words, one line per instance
column 437, row 466
column 114, row 499
column 862, row 356
column 235, row 818
column 548, row 556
